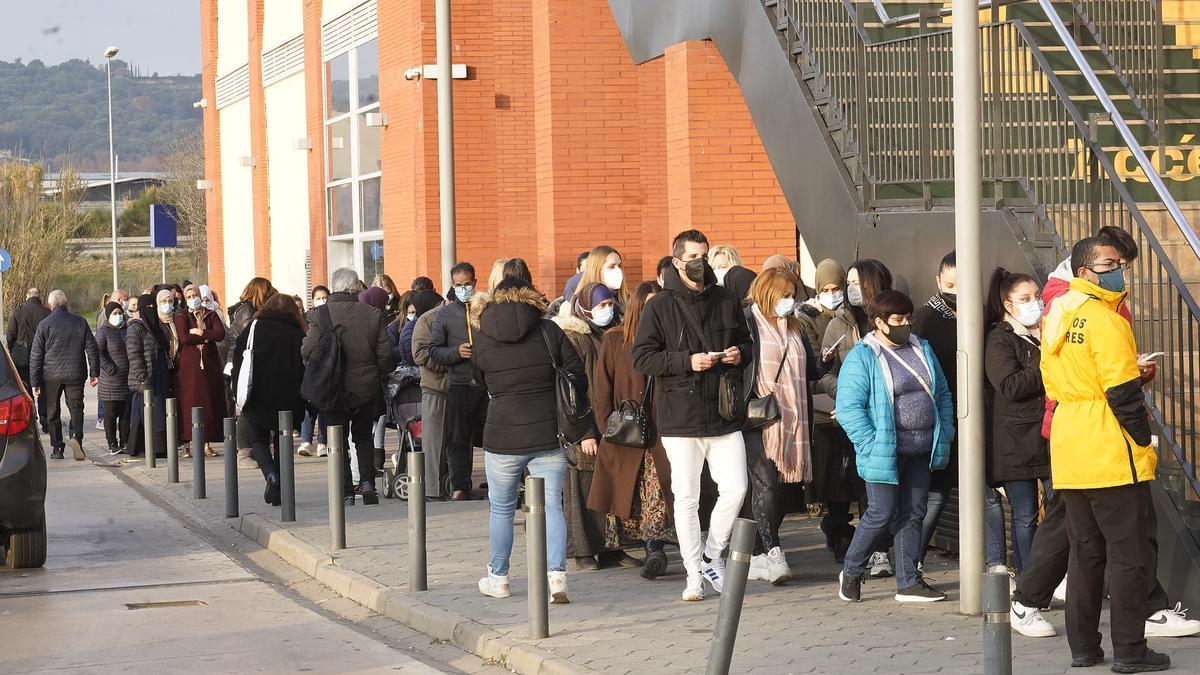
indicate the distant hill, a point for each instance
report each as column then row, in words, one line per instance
column 60, row 112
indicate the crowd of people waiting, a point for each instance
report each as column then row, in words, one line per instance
column 744, row 390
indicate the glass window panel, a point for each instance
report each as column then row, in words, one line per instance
column 369, row 139
column 371, row 211
column 339, row 149
column 368, row 74
column 337, row 86
column 372, row 258
column 341, row 209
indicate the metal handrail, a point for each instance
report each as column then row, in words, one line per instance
column 1118, row 121
column 905, row 19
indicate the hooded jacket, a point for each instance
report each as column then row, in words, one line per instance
column 1059, row 283
column 586, row 341
column 843, row 331
column 449, row 331
column 513, row 360
column 1101, row 433
column 687, row 403
column 114, row 361
column 866, row 411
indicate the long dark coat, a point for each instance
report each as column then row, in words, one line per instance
column 1016, row 449
column 278, row 370
column 114, row 363
column 199, row 380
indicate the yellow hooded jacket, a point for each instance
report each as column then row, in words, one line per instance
column 1101, row 433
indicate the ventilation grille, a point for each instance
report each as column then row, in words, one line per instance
column 283, row 60
column 233, row 86
column 349, row 30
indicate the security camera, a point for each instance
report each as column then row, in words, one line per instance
column 202, row 103
column 413, row 73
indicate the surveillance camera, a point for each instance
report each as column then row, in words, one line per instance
column 412, row 74
column 202, row 103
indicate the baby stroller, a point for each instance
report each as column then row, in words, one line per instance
column 402, row 393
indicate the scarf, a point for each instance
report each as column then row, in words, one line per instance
column 168, row 323
column 940, row 305
column 786, row 442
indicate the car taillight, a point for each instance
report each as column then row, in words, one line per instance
column 15, row 415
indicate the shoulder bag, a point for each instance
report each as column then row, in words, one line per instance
column 246, row 372
column 731, row 402
column 574, row 410
column 629, row 424
column 764, row 410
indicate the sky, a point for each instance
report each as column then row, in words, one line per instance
column 157, row 36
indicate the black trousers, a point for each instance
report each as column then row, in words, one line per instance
column 466, row 413
column 23, row 372
column 360, row 427
column 264, row 447
column 1107, row 528
column 116, row 422
column 1047, row 564
column 763, row 500
column 54, row 391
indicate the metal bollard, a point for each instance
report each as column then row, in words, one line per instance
column 337, row 507
column 535, row 546
column 417, row 568
column 231, row 469
column 148, row 427
column 172, row 441
column 997, row 634
column 287, row 468
column 729, row 613
column 199, row 489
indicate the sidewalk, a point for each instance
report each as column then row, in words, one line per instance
column 617, row 622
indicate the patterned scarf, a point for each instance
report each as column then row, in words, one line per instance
column 786, row 442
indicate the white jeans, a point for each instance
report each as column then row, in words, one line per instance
column 726, row 456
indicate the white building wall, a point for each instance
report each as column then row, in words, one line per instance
column 288, row 183
column 282, row 21
column 332, row 9
column 232, row 36
column 237, row 202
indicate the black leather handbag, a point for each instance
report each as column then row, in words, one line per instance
column 630, row 424
column 765, row 410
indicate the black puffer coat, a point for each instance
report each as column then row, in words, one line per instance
column 114, row 363
column 140, row 349
column 511, row 358
column 1016, row 449
column 63, row 350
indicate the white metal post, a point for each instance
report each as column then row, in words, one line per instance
column 445, row 113
column 112, row 172
column 967, row 213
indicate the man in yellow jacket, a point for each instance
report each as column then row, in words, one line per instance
column 1101, row 459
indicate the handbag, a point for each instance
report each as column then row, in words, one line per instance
column 731, row 402
column 629, row 424
column 574, row 410
column 246, row 372
column 764, row 410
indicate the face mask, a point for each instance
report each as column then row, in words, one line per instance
column 721, row 275
column 1112, row 280
column 784, row 307
column 898, row 335
column 319, row 302
column 1029, row 313
column 411, row 316
column 464, row 293
column 193, row 303
column 602, row 316
column 694, row 270
column 115, row 320
column 830, row 301
column 166, row 308
column 613, row 278
column 951, row 300
column 854, row 295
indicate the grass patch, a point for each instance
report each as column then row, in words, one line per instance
column 85, row 280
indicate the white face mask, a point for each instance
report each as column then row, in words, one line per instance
column 411, row 315
column 319, row 302
column 613, row 277
column 854, row 295
column 602, row 316
column 721, row 275
column 1029, row 313
column 166, row 308
column 115, row 320
column 831, row 300
column 785, row 307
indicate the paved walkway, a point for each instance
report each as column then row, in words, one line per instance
column 617, row 622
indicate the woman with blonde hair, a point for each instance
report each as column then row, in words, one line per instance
column 392, row 309
column 779, row 450
column 497, row 273
column 604, row 265
column 722, row 259
column 253, row 298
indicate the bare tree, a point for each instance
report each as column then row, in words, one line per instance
column 183, row 165
column 35, row 225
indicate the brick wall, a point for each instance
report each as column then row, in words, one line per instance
column 212, row 148
column 258, row 139
column 314, row 118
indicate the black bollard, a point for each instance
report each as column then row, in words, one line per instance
column 535, row 546
column 997, row 634
column 172, row 441
column 231, row 477
column 287, row 468
column 417, row 568
column 337, row 505
column 729, row 614
column 148, row 427
column 199, row 489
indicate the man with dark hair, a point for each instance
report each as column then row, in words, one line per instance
column 664, row 264
column 573, row 282
column 691, row 339
column 450, row 347
column 1101, row 459
column 20, row 332
column 1060, row 279
column 422, row 284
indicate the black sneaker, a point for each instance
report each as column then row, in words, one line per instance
column 849, row 588
column 271, row 494
column 920, row 592
column 1150, row 663
column 367, row 491
column 57, row 453
column 656, row 560
column 1087, row 660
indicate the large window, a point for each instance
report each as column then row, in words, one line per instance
column 352, row 151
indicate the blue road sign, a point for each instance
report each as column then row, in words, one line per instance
column 164, row 226
column 5, row 260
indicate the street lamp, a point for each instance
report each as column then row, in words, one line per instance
column 112, row 164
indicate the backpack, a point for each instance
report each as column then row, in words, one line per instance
column 323, row 385
column 570, row 393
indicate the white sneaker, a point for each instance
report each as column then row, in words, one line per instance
column 1028, row 621
column 305, row 449
column 245, row 461
column 694, row 591
column 759, row 568
column 1171, row 623
column 1060, row 592
column 494, row 585
column 777, row 567
column 714, row 573
column 558, row 588
column 100, row 425
column 881, row 567
column 322, row 450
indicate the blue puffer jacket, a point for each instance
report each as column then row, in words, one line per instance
column 866, row 413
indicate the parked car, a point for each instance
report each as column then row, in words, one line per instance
column 22, row 474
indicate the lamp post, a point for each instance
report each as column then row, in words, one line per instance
column 112, row 164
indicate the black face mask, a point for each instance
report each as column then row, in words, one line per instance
column 898, row 335
column 695, row 270
column 951, row 300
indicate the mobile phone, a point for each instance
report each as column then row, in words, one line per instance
column 716, row 355
column 833, row 346
column 1150, row 357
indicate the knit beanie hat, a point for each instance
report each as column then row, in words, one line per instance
column 829, row 272
column 781, row 261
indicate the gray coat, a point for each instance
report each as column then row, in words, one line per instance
column 433, row 376
column 140, row 349
column 63, row 350
column 449, row 331
column 366, row 349
column 114, row 363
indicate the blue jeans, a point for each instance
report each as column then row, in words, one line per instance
column 995, row 551
column 900, row 506
column 1023, row 498
column 306, row 427
column 504, row 474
